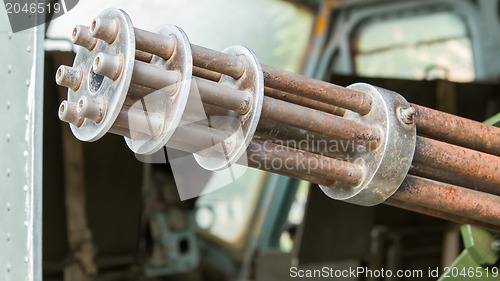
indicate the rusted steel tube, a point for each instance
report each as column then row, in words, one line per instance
column 70, row 77
column 121, row 132
column 194, row 113
column 320, row 122
column 197, row 134
column 277, row 94
column 317, row 90
column 433, row 123
column 188, row 137
column 152, row 76
column 143, row 56
column 321, row 106
column 153, row 43
column 108, row 65
column 286, row 158
column 91, row 108
column 457, row 130
column 450, row 199
column 428, row 172
column 194, row 138
column 262, row 164
column 67, row 113
column 285, row 81
column 223, row 96
column 164, row 47
column 304, row 140
column 137, row 120
column 439, row 214
column 81, row 36
column 104, row 29
column 455, row 159
column 233, row 66
column 207, row 74
column 136, row 92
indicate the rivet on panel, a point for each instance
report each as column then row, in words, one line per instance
column 8, row 172
column 7, row 137
column 27, row 82
column 28, row 49
column 8, row 237
column 8, row 206
column 26, row 117
column 8, row 267
column 9, row 69
column 25, row 188
column 25, row 153
column 8, row 105
column 26, row 224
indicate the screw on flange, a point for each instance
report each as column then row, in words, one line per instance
column 406, row 114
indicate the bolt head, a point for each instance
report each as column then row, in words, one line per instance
column 406, row 114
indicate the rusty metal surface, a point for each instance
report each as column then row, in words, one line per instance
column 206, row 74
column 304, row 140
column 302, row 163
column 386, row 166
column 461, row 161
column 449, row 199
column 295, row 108
column 285, row 81
column 154, row 43
column 457, row 130
column 223, row 96
column 243, row 126
column 230, row 65
column 261, row 164
column 171, row 101
column 321, row 106
column 424, row 171
column 143, row 56
column 194, row 138
column 317, row 90
column 111, row 92
column 152, row 76
column 437, row 213
column 319, row 122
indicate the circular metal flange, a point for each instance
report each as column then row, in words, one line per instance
column 242, row 132
column 100, row 87
column 386, row 166
column 170, row 101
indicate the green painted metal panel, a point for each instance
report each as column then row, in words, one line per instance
column 494, row 120
column 21, row 77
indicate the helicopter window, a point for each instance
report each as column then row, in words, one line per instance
column 426, row 46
